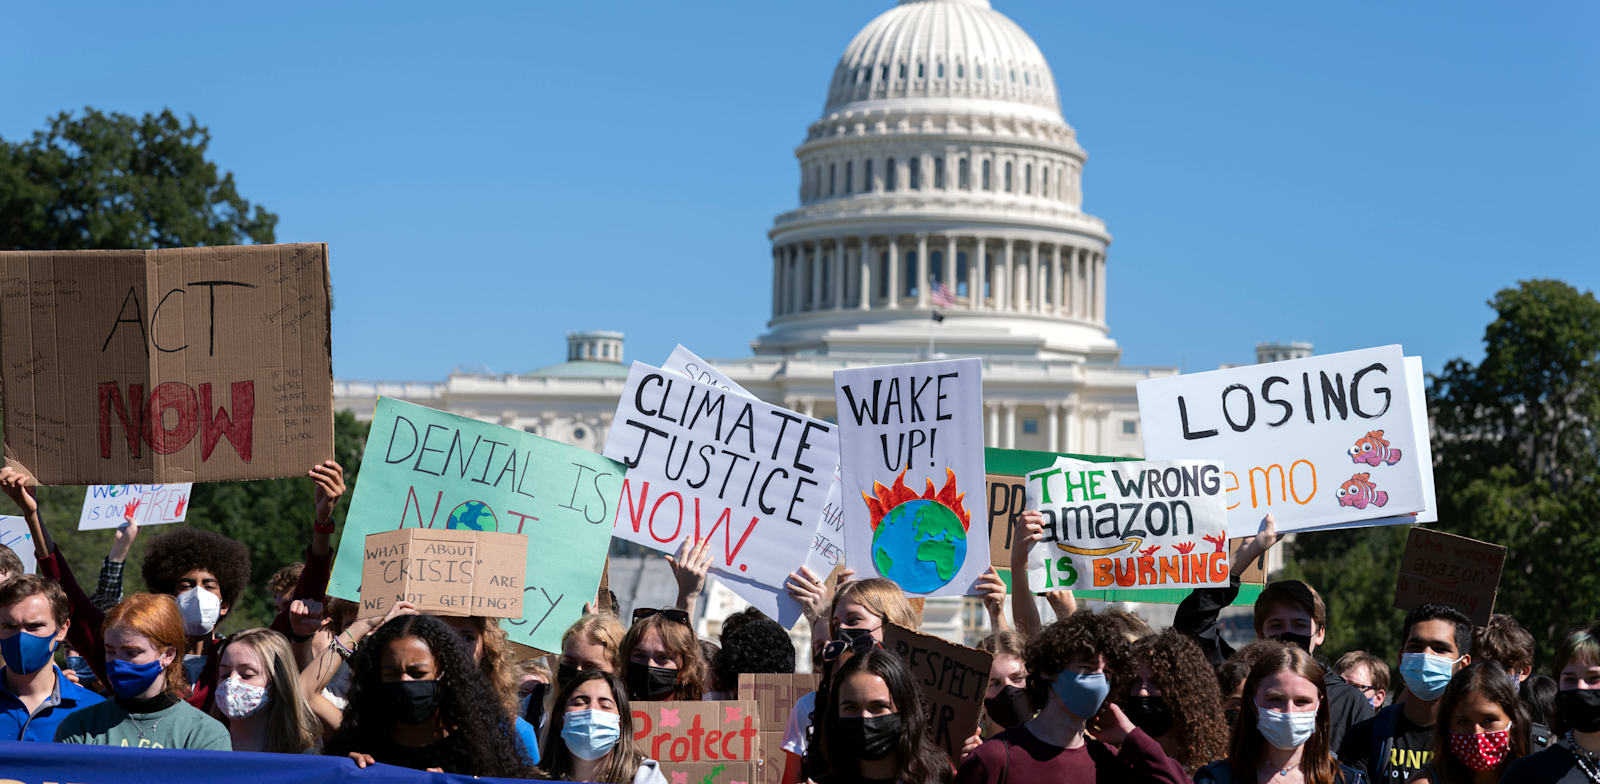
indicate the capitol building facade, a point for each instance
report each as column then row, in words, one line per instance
column 940, row 213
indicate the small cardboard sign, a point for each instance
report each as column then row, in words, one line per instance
column 952, row 679
column 160, row 366
column 444, row 572
column 106, row 506
column 776, row 694
column 1454, row 570
column 1007, row 501
column 693, row 738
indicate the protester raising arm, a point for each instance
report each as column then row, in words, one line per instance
column 992, row 590
column 690, row 568
column 1030, row 529
column 84, row 633
column 313, row 582
column 109, row 590
column 1197, row 614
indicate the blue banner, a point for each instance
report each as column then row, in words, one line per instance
column 63, row 763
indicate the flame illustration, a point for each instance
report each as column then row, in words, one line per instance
column 890, row 497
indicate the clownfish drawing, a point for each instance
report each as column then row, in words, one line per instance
column 1360, row 491
column 1373, row 450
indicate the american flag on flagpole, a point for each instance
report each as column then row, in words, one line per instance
column 943, row 297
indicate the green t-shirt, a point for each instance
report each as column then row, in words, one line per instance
column 178, row 725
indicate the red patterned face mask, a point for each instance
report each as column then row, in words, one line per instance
column 1482, row 751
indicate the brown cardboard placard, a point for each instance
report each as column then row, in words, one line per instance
column 444, row 572
column 952, row 678
column 729, row 772
column 1454, row 570
column 680, row 734
column 776, row 694
column 164, row 366
column 1006, row 502
column 1253, row 574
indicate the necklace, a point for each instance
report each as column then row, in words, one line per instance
column 140, row 730
column 1585, row 758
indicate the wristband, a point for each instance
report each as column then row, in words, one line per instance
column 323, row 528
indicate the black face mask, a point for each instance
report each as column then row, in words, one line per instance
column 871, row 738
column 410, row 702
column 564, row 674
column 1150, row 714
column 650, row 683
column 1300, row 641
column 1009, row 708
column 852, row 636
column 1579, row 709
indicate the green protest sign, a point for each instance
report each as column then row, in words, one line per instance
column 428, row 469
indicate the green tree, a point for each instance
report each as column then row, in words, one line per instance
column 100, row 180
column 1516, row 462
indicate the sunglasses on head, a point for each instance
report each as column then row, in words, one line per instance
column 833, row 649
column 678, row 616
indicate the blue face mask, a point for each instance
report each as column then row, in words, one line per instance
column 589, row 734
column 80, row 665
column 1426, row 675
column 130, row 680
column 1082, row 694
column 27, row 653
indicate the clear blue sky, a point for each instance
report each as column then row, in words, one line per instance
column 489, row 176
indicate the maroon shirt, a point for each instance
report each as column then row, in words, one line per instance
column 1017, row 755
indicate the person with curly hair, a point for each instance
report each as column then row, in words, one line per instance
column 751, row 643
column 661, row 657
column 873, row 727
column 1073, row 664
column 490, row 649
column 590, row 738
column 418, row 701
column 144, row 639
column 204, row 571
column 1283, row 735
column 856, row 616
column 1174, row 699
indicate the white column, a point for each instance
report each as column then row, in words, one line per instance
column 1057, row 283
column 949, row 274
column 1069, row 440
column 1009, row 430
column 894, row 273
column 1035, row 293
column 1082, row 279
column 992, row 429
column 1052, row 427
column 794, row 278
column 866, row 275
column 979, row 272
column 808, row 407
column 1100, row 289
column 816, row 277
column 1010, row 279
column 922, row 270
column 838, row 273
column 777, row 281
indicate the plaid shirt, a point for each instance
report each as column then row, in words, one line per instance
column 110, row 590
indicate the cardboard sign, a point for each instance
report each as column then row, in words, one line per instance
column 679, row 734
column 707, row 463
column 424, row 468
column 1439, row 567
column 1319, row 441
column 1007, row 502
column 162, row 366
column 444, row 572
column 1133, row 525
column 776, row 694
column 911, row 446
column 952, row 679
column 14, row 534
column 105, row 506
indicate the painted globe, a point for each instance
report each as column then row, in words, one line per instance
column 472, row 516
column 920, row 545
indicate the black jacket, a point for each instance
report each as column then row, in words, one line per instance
column 1197, row 617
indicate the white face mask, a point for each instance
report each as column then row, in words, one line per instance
column 1286, row 731
column 237, row 699
column 201, row 609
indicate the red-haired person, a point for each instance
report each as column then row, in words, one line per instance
column 144, row 642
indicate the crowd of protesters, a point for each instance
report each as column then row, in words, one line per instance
column 1090, row 696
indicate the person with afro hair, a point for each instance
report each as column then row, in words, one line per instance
column 751, row 643
column 1073, row 664
column 1174, row 698
column 205, row 572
